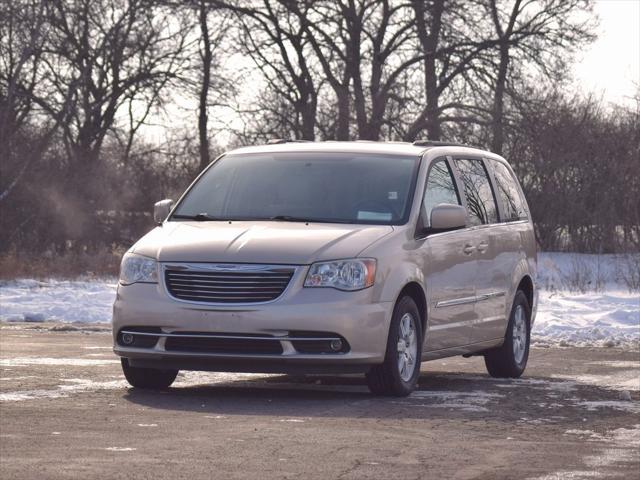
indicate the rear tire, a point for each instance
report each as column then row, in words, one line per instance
column 147, row 378
column 398, row 375
column 510, row 360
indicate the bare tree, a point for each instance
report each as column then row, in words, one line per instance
column 539, row 34
column 113, row 52
column 452, row 40
column 273, row 37
column 21, row 42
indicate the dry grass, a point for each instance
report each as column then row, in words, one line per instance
column 68, row 266
column 629, row 272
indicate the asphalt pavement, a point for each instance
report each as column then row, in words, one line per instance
column 66, row 412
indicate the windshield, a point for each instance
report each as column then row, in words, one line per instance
column 316, row 187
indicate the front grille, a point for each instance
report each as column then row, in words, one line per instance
column 241, row 346
column 227, row 283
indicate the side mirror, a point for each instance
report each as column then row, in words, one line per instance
column 161, row 210
column 446, row 216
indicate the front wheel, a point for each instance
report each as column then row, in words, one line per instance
column 510, row 360
column 398, row 375
column 147, row 378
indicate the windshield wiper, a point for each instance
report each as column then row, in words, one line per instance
column 199, row 217
column 290, row 218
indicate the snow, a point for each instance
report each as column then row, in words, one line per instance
column 85, row 301
column 76, row 362
column 606, row 315
column 611, row 319
column 473, row 401
column 583, row 301
column 73, row 385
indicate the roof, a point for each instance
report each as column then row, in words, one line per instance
column 359, row 146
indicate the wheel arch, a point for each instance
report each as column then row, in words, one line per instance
column 526, row 286
column 414, row 290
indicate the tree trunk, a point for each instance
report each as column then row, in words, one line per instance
column 429, row 37
column 434, row 128
column 204, row 88
column 342, row 128
column 497, row 142
column 308, row 115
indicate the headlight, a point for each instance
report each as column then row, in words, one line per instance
column 136, row 268
column 353, row 274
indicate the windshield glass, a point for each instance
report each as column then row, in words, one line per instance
column 320, row 187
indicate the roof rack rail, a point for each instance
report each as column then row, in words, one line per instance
column 438, row 143
column 278, row 141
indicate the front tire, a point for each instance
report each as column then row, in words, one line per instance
column 510, row 360
column 398, row 375
column 148, row 378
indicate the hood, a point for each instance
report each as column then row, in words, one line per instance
column 257, row 242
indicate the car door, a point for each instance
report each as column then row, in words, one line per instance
column 491, row 248
column 450, row 267
column 507, row 250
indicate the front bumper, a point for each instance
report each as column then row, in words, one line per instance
column 354, row 316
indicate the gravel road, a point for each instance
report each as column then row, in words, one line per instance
column 65, row 412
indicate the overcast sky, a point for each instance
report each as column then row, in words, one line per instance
column 611, row 65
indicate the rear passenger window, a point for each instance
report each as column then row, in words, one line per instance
column 509, row 193
column 441, row 188
column 481, row 204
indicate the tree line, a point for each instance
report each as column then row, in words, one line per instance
column 83, row 82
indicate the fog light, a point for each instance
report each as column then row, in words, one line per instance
column 336, row 345
column 127, row 338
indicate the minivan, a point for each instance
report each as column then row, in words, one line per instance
column 333, row 257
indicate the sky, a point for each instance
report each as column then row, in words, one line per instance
column 610, row 66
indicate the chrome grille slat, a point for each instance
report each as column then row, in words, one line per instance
column 226, row 283
column 222, row 289
column 229, row 277
column 189, row 291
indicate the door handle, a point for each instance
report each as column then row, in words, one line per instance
column 468, row 249
column 482, row 247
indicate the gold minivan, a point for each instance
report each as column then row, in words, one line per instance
column 333, row 257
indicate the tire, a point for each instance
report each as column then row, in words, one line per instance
column 510, row 360
column 147, row 378
column 389, row 378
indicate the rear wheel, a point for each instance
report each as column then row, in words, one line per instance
column 510, row 360
column 398, row 375
column 149, row 378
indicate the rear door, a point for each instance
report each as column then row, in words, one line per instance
column 489, row 244
column 450, row 267
column 509, row 238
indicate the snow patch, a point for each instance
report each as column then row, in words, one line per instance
column 75, row 362
column 626, row 406
column 88, row 301
column 193, row 378
column 473, row 401
column 77, row 385
column 622, row 381
column 609, row 318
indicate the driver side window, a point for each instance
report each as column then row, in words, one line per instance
column 441, row 188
